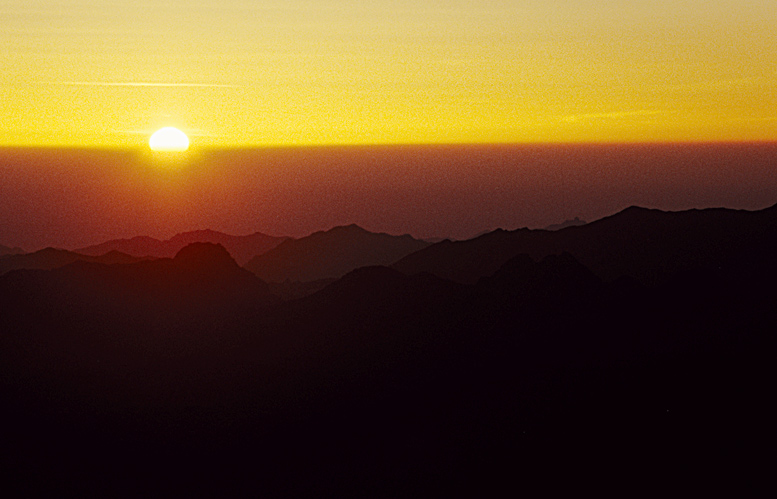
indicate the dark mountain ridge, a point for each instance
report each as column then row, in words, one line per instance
column 331, row 254
column 201, row 280
column 385, row 383
column 242, row 248
column 567, row 223
column 51, row 258
column 5, row 250
column 648, row 245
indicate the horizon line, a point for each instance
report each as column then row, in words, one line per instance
column 427, row 238
column 355, row 145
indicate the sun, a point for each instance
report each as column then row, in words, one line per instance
column 168, row 139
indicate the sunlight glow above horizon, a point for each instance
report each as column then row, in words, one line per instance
column 168, row 139
column 244, row 73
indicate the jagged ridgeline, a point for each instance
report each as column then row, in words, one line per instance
column 242, row 248
column 409, row 368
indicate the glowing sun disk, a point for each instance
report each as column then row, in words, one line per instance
column 168, row 139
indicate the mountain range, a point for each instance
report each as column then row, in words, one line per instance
column 639, row 346
column 242, row 248
column 297, row 267
column 5, row 250
column 331, row 254
column 647, row 245
column 567, row 223
column 52, row 258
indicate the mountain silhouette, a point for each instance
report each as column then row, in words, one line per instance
column 242, row 248
column 206, row 258
column 188, row 373
column 202, row 280
column 5, row 250
column 331, row 254
column 567, row 223
column 648, row 245
column 51, row 258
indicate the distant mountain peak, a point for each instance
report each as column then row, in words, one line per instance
column 642, row 209
column 331, row 254
column 6, row 250
column 575, row 222
column 195, row 234
column 205, row 255
column 52, row 258
column 201, row 231
column 348, row 228
column 242, row 248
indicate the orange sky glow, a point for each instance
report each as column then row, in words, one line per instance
column 78, row 197
column 244, row 73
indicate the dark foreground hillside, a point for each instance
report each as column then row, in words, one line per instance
column 186, row 376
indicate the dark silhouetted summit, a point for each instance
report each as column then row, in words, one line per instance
column 329, row 254
column 202, row 280
column 206, row 258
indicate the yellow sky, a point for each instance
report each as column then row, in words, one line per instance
column 251, row 72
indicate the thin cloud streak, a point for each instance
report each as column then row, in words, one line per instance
column 137, row 84
column 615, row 115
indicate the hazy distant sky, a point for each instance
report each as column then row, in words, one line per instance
column 240, row 72
column 75, row 198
